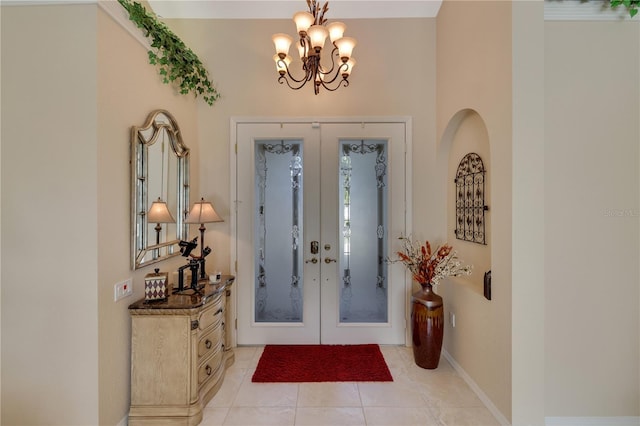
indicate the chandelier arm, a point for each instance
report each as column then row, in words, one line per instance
column 303, row 80
column 337, row 74
column 343, row 83
column 333, row 62
column 283, row 79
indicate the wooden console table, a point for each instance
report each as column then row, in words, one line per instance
column 178, row 355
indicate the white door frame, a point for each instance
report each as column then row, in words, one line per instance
column 236, row 121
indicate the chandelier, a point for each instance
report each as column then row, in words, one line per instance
column 313, row 32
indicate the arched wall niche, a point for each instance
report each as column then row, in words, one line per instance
column 466, row 132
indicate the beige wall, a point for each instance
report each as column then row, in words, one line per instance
column 474, row 72
column 68, row 102
column 592, row 217
column 527, row 251
column 128, row 89
column 50, row 202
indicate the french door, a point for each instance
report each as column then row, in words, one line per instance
column 319, row 207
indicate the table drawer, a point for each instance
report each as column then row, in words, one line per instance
column 210, row 341
column 212, row 314
column 210, row 367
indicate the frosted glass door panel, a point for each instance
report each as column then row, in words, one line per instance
column 363, row 240
column 278, row 230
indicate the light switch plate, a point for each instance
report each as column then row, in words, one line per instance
column 122, row 289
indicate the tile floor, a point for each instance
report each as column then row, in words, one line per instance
column 417, row 396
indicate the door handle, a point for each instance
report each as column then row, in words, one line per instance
column 312, row 260
column 329, row 260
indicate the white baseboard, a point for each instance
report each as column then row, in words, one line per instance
column 474, row 387
column 592, row 421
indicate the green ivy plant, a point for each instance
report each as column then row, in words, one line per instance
column 631, row 5
column 177, row 63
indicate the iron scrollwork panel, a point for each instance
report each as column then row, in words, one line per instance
column 470, row 202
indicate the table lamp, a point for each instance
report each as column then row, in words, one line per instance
column 202, row 212
column 159, row 213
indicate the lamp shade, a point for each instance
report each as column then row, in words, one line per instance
column 202, row 212
column 336, row 30
column 282, row 43
column 282, row 64
column 345, row 47
column 317, row 35
column 349, row 66
column 159, row 213
column 303, row 21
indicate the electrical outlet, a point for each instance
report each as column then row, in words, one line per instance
column 122, row 289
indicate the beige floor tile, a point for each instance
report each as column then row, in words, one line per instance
column 417, row 396
column 233, row 378
column 329, row 416
column 256, row 416
column 457, row 416
column 329, row 395
column 244, row 356
column 394, row 394
column 214, row 416
column 393, row 356
column 450, row 392
column 407, row 416
column 266, row 394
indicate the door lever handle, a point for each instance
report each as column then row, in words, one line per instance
column 312, row 260
column 329, row 260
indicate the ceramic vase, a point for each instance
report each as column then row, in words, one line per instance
column 427, row 327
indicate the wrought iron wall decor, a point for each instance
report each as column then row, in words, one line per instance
column 470, row 203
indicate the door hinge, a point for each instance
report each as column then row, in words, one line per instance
column 236, row 323
column 236, row 266
column 236, row 148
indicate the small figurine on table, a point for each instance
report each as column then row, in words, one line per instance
column 196, row 264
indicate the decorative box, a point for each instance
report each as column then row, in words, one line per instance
column 155, row 286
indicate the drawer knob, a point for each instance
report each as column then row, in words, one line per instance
column 219, row 311
column 207, row 369
column 208, row 344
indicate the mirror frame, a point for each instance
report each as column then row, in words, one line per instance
column 141, row 140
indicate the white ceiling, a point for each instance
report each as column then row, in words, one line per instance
column 267, row 9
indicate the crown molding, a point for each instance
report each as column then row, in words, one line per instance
column 284, row 9
column 579, row 10
column 111, row 7
column 120, row 15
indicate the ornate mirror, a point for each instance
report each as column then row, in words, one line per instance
column 159, row 189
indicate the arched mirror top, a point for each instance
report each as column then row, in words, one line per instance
column 159, row 189
column 158, row 122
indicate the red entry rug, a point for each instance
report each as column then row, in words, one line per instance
column 322, row 363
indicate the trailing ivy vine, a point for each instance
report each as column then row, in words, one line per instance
column 176, row 62
column 631, row 5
